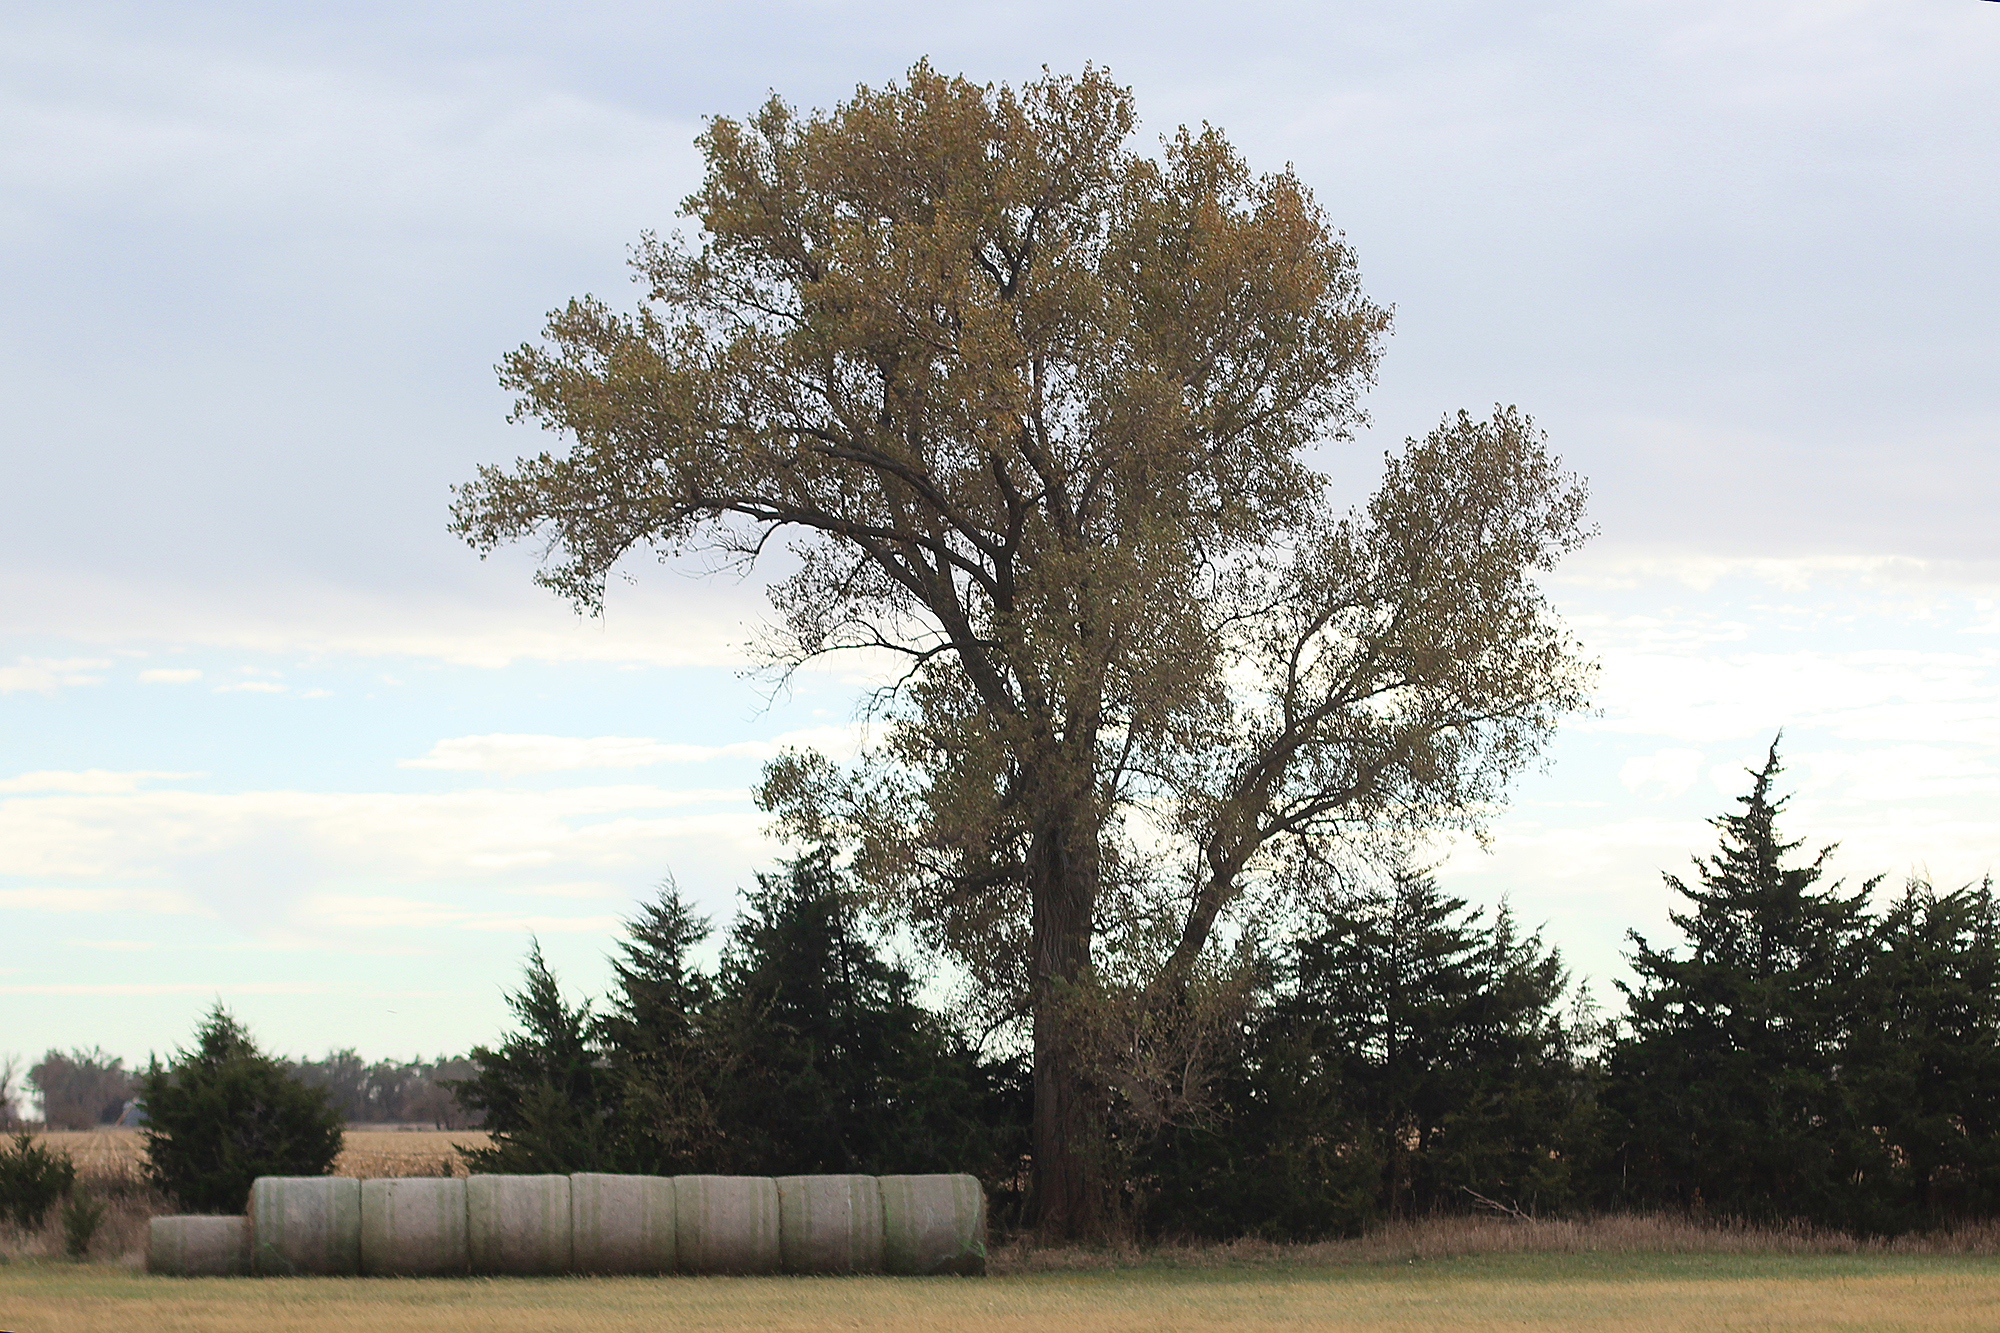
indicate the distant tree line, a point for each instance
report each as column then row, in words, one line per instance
column 396, row 1092
column 1795, row 1055
column 82, row 1089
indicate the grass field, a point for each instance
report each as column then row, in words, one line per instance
column 1467, row 1295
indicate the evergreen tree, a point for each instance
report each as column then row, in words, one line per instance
column 828, row 1061
column 1447, row 1032
column 661, row 1053
column 1926, row 1056
column 223, row 1113
column 808, row 1053
column 1730, row 1085
column 545, row 1092
column 1285, row 1156
column 1414, row 1052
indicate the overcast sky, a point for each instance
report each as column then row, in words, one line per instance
column 269, row 735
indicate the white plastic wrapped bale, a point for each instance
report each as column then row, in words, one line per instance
column 305, row 1224
column 933, row 1224
column 413, row 1227
column 518, row 1224
column 726, row 1224
column 622, row 1224
column 830, row 1224
column 191, row 1246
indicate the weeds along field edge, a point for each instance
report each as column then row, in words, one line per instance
column 110, row 1165
column 1449, row 1237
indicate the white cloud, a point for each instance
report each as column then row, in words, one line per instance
column 320, row 835
column 155, row 902
column 45, row 674
column 1662, row 773
column 169, row 988
column 1711, row 679
column 511, row 754
column 577, row 889
column 93, row 781
column 169, row 675
column 503, row 753
column 372, row 913
column 251, row 687
column 502, row 620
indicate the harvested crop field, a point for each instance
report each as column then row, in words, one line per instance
column 1548, row 1292
column 111, row 1153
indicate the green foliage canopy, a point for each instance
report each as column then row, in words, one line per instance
column 222, row 1113
column 1034, row 410
column 807, row 1052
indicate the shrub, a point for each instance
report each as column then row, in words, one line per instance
column 82, row 1214
column 223, row 1113
column 32, row 1178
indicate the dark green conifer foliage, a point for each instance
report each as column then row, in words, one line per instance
column 1926, row 1056
column 223, row 1113
column 1730, row 1086
column 1415, row 1058
column 544, row 1093
column 1447, row 1030
column 32, row 1178
column 658, row 1044
column 831, row 1064
column 807, row 1053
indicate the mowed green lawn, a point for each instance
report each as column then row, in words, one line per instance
column 1549, row 1292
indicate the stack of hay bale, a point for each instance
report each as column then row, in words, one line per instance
column 589, row 1223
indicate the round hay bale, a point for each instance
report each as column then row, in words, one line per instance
column 191, row 1246
column 305, row 1224
column 933, row 1224
column 726, row 1224
column 622, row 1224
column 830, row 1224
column 413, row 1226
column 518, row 1224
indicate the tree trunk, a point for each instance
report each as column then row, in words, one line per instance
column 1064, row 871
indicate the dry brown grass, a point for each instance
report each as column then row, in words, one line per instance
column 1438, row 1238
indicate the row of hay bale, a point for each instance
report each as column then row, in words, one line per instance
column 588, row 1223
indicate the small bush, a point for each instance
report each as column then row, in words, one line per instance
column 32, row 1178
column 225, row 1113
column 82, row 1214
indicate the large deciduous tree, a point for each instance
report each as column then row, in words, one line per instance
column 1036, row 411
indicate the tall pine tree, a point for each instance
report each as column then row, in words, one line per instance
column 1730, row 1087
column 660, row 1046
column 544, row 1093
column 831, row 1064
